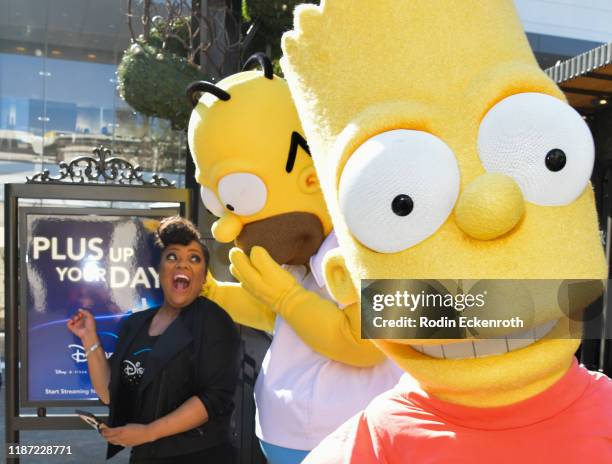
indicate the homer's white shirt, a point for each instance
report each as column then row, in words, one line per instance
column 301, row 396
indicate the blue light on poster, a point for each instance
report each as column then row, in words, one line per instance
column 104, row 263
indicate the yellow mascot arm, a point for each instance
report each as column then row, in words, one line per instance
column 241, row 305
column 330, row 331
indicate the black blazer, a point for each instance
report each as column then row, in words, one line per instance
column 198, row 354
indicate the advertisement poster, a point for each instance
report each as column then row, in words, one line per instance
column 104, row 262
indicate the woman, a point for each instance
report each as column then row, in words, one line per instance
column 171, row 380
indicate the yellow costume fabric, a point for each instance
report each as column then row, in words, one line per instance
column 261, row 184
column 443, row 74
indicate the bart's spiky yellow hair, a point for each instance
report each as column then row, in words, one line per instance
column 344, row 57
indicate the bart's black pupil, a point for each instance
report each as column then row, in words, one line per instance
column 402, row 205
column 230, row 207
column 555, row 160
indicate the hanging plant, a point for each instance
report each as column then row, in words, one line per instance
column 155, row 71
column 153, row 82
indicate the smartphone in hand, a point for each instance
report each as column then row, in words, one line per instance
column 89, row 418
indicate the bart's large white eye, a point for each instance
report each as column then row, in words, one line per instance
column 398, row 188
column 211, row 202
column 542, row 143
column 242, row 193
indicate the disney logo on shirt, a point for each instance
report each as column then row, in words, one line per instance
column 132, row 369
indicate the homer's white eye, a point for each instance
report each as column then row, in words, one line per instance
column 242, row 193
column 398, row 188
column 211, row 202
column 542, row 143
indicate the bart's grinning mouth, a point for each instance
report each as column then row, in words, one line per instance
column 489, row 347
column 180, row 281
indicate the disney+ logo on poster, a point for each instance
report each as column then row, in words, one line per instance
column 78, row 353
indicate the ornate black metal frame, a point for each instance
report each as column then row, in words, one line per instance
column 101, row 168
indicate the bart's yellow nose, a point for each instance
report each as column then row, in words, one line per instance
column 227, row 228
column 490, row 206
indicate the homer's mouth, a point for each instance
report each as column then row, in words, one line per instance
column 486, row 347
column 180, row 282
column 290, row 238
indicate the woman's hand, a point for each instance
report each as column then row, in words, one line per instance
column 83, row 325
column 128, row 435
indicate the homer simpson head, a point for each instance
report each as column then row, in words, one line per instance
column 444, row 152
column 254, row 167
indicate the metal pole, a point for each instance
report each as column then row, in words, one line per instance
column 190, row 180
column 11, row 316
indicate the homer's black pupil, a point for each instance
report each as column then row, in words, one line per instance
column 230, row 207
column 555, row 160
column 402, row 205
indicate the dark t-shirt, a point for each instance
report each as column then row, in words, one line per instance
column 133, row 366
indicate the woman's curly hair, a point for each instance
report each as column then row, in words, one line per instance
column 177, row 230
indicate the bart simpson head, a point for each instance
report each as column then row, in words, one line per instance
column 254, row 165
column 444, row 152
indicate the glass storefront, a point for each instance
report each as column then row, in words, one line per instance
column 58, row 96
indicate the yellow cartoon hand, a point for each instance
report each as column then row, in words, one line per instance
column 317, row 321
column 262, row 276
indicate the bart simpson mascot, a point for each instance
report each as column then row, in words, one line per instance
column 444, row 152
column 257, row 176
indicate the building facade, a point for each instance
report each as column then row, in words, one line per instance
column 561, row 29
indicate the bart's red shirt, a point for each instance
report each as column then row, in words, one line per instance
column 571, row 422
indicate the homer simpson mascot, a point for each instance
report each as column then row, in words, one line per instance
column 444, row 152
column 257, row 176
